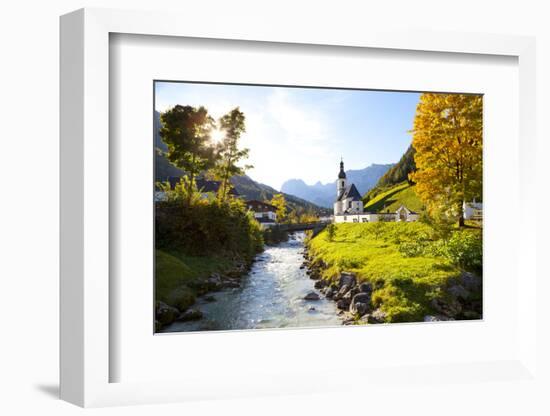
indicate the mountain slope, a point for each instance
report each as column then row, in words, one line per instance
column 400, row 171
column 324, row 194
column 394, row 188
column 391, row 198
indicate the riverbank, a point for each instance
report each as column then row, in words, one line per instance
column 182, row 279
column 395, row 272
column 271, row 295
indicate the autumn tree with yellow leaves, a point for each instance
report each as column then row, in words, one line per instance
column 279, row 202
column 448, row 139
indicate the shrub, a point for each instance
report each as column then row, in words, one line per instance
column 465, row 249
column 331, row 231
column 208, row 228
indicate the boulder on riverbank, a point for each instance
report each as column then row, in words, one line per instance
column 359, row 308
column 165, row 314
column 449, row 307
column 214, row 282
column 181, row 298
column 360, row 304
column 330, row 292
column 377, row 317
column 365, row 288
column 347, row 279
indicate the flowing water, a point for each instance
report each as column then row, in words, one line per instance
column 270, row 296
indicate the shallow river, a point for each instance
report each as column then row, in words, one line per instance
column 271, row 296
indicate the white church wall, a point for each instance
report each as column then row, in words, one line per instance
column 357, row 206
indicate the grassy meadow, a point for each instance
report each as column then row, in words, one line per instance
column 408, row 264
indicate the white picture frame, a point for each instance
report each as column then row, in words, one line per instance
column 86, row 355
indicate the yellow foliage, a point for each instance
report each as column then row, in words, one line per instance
column 279, row 202
column 448, row 139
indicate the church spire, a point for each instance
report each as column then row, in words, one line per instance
column 342, row 174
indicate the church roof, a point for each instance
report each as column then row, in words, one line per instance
column 350, row 192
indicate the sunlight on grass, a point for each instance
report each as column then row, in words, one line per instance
column 404, row 285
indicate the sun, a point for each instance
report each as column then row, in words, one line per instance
column 217, row 135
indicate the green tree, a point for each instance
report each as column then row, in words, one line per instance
column 186, row 131
column 228, row 153
column 279, row 202
column 331, row 231
column 447, row 137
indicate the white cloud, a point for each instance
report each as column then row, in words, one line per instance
column 289, row 140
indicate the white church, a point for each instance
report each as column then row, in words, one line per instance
column 348, row 206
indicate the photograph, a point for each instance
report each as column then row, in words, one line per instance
column 294, row 207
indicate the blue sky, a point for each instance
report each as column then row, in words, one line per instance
column 301, row 133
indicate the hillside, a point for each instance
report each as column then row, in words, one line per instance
column 400, row 171
column 394, row 188
column 393, row 197
column 324, row 194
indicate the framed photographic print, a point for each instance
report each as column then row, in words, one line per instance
column 254, row 230
column 237, row 211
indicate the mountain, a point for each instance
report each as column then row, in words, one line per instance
column 251, row 189
column 318, row 194
column 325, row 194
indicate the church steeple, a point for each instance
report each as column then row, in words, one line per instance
column 341, row 183
column 342, row 174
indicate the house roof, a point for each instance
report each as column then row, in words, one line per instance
column 265, row 205
column 405, row 208
column 350, row 192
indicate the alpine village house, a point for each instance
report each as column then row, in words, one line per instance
column 263, row 212
column 348, row 206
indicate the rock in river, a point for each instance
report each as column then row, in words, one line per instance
column 312, row 296
column 330, row 291
column 319, row 284
column 190, row 315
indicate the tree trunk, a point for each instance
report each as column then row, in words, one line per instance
column 226, row 178
column 461, row 215
column 190, row 186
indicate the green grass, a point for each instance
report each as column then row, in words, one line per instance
column 393, row 198
column 404, row 284
column 175, row 274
